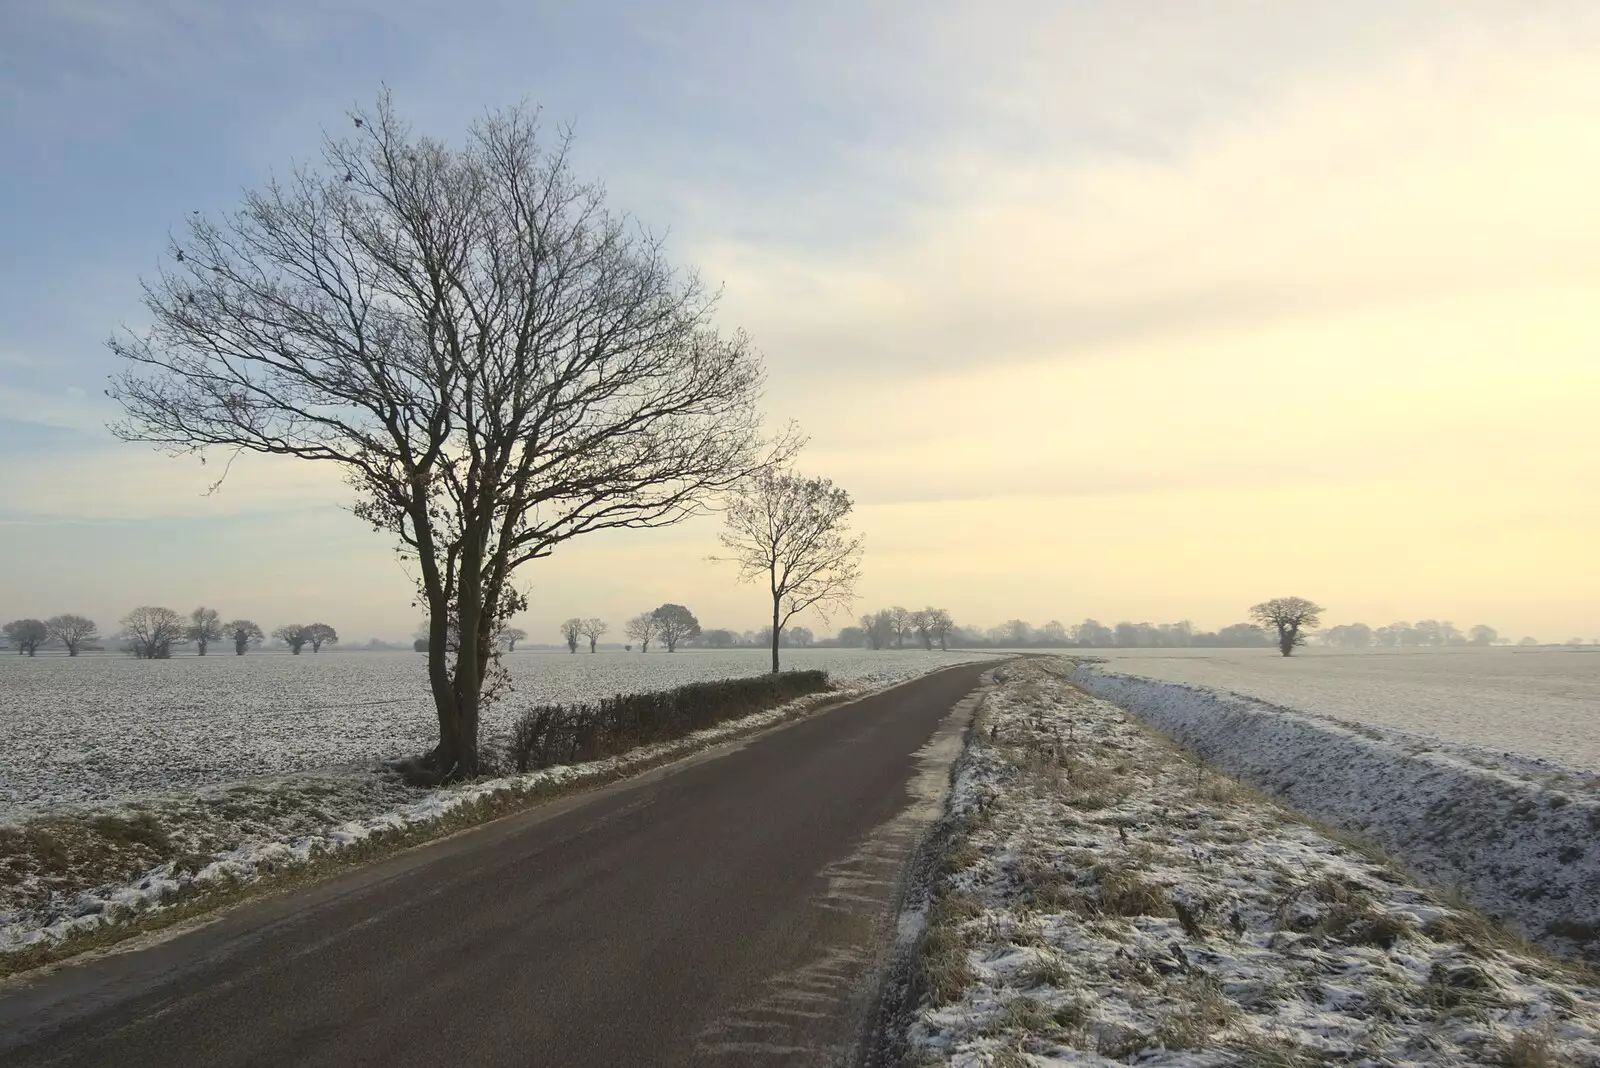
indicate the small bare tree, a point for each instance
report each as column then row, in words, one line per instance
column 571, row 630
column 511, row 636
column 674, row 624
column 792, row 533
column 205, row 627
column 1291, row 616
column 321, row 634
column 243, row 632
column 594, row 629
column 152, row 631
column 71, row 631
column 642, row 628
column 294, row 635
column 497, row 362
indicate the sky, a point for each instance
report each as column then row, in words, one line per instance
column 1140, row 311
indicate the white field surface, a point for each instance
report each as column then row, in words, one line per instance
column 1106, row 900
column 1538, row 703
column 101, row 728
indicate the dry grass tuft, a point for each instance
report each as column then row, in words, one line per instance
column 1123, row 893
column 943, row 971
column 1531, row 1048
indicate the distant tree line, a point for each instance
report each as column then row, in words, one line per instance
column 151, row 632
column 1424, row 634
column 899, row 628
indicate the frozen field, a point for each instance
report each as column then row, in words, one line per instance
column 108, row 727
column 1542, row 703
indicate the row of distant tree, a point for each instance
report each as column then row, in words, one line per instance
column 672, row 626
column 898, row 627
column 1424, row 634
column 151, row 632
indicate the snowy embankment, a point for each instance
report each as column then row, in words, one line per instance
column 1103, row 898
column 1519, row 846
column 215, row 841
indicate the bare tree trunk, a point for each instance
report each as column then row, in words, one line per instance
column 774, row 634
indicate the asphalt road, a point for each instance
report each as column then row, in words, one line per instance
column 732, row 909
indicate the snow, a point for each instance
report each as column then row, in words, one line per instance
column 107, row 727
column 1540, row 703
column 270, row 824
column 1519, row 845
column 1105, row 900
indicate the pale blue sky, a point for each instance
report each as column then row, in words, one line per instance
column 918, row 210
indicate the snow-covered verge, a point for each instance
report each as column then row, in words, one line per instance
column 1521, row 847
column 71, row 876
column 1104, row 898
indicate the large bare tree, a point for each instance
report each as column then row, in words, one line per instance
column 792, row 533
column 497, row 361
column 1290, row 616
column 72, row 631
column 594, row 630
column 205, row 627
column 151, row 631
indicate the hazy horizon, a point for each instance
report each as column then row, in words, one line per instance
column 1096, row 315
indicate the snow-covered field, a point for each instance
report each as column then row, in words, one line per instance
column 1107, row 900
column 108, row 727
column 1542, row 703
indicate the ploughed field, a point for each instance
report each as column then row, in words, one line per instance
column 1537, row 703
column 105, row 727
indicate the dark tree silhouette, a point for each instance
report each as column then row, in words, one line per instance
column 674, row 624
column 243, row 632
column 26, row 634
column 1290, row 616
column 496, row 361
column 792, row 533
column 510, row 635
column 294, row 635
column 571, row 631
column 71, row 631
column 321, row 634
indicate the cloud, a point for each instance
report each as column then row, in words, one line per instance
column 1464, row 164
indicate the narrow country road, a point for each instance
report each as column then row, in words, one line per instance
column 732, row 909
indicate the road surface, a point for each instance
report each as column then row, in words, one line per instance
column 732, row 909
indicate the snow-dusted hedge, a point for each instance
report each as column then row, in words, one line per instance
column 1519, row 849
